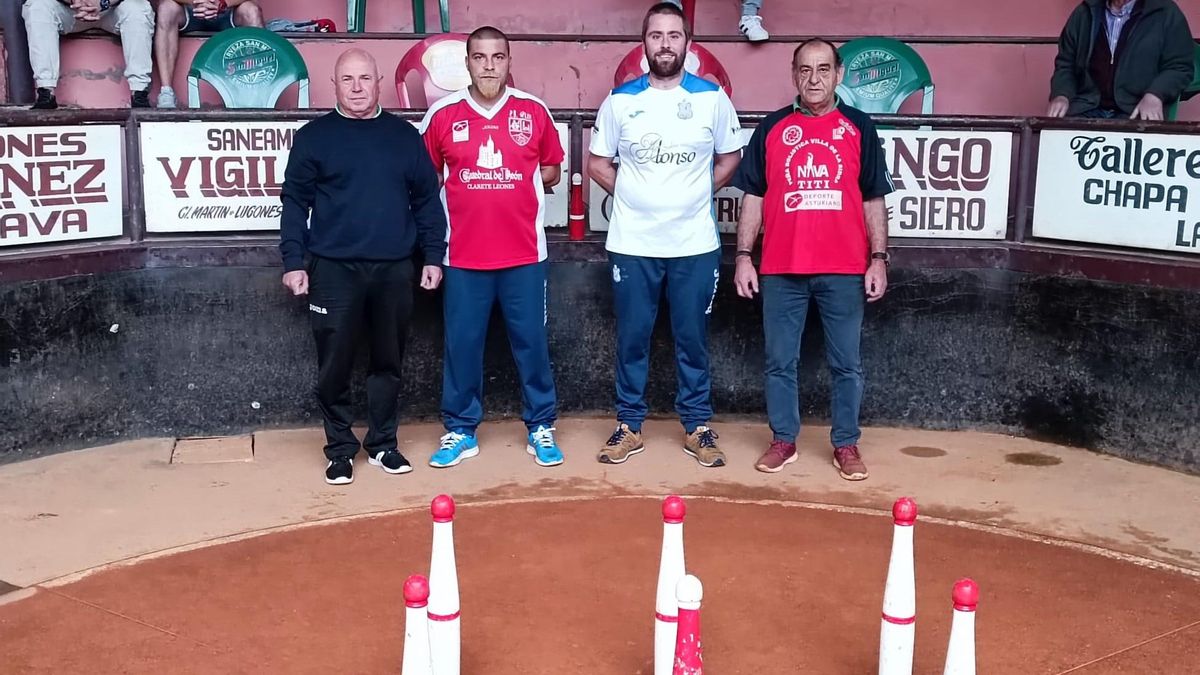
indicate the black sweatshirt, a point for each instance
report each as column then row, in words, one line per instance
column 372, row 188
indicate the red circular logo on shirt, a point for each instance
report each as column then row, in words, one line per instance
column 792, row 135
column 792, row 201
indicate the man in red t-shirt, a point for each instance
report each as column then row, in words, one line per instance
column 498, row 151
column 814, row 176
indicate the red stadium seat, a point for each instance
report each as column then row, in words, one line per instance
column 434, row 67
column 699, row 61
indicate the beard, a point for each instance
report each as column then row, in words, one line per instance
column 490, row 88
column 665, row 69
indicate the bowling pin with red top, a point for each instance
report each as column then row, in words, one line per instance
column 444, row 629
column 898, row 628
column 670, row 571
column 688, row 657
column 960, row 657
column 416, row 627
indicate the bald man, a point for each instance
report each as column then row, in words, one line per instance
column 360, row 200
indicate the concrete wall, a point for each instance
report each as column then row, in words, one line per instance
column 215, row 350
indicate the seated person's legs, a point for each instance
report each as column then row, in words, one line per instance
column 198, row 17
column 45, row 20
column 751, row 23
column 170, row 20
column 133, row 21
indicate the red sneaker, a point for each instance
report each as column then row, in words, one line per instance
column 779, row 455
column 849, row 463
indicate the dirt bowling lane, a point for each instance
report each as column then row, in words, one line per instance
column 568, row 587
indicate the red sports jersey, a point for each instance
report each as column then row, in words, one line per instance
column 813, row 174
column 490, row 161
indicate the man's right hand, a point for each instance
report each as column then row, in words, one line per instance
column 745, row 278
column 1058, row 107
column 296, row 282
column 205, row 9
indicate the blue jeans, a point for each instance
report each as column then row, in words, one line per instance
column 691, row 284
column 840, row 300
column 467, row 305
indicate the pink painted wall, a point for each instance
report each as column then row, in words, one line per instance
column 719, row 17
column 975, row 79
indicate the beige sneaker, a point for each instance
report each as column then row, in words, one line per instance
column 702, row 444
column 623, row 443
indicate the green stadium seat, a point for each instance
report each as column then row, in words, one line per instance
column 1191, row 90
column 881, row 74
column 249, row 67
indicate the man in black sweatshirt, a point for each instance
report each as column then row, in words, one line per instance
column 374, row 200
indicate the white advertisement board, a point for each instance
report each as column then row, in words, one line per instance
column 60, row 183
column 949, row 184
column 1138, row 190
column 227, row 176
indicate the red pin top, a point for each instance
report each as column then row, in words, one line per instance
column 416, row 591
column 673, row 509
column 966, row 595
column 904, row 512
column 442, row 509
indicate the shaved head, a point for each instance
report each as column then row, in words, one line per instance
column 356, row 79
column 356, row 56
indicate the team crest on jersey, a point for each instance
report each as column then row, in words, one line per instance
column 462, row 131
column 792, row 135
column 685, row 110
column 520, row 127
column 839, row 133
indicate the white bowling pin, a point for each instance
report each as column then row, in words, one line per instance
column 898, row 627
column 960, row 656
column 444, row 629
column 670, row 571
column 416, row 627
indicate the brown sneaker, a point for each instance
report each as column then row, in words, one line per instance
column 623, row 443
column 849, row 463
column 702, row 444
column 779, row 455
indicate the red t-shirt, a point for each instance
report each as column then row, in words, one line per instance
column 814, row 173
column 490, row 161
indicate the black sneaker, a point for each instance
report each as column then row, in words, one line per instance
column 390, row 461
column 45, row 100
column 340, row 471
column 140, row 99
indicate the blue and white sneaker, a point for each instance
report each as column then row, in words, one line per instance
column 543, row 448
column 455, row 448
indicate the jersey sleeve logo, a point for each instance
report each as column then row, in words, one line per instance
column 461, row 131
column 520, row 127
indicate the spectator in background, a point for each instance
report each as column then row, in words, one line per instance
column 751, row 23
column 1121, row 58
column 176, row 17
column 45, row 20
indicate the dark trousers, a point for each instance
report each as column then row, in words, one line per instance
column 347, row 299
column 841, row 301
column 691, row 285
column 469, row 297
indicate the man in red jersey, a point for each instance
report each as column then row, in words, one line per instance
column 814, row 175
column 497, row 150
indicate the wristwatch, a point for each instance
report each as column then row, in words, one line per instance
column 742, row 253
column 882, row 255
